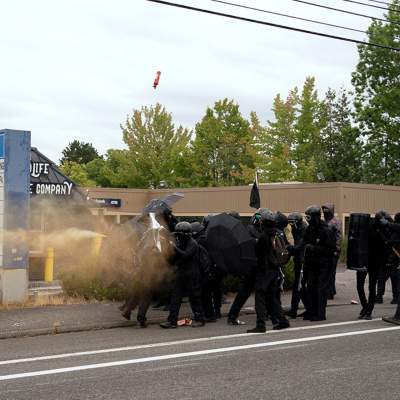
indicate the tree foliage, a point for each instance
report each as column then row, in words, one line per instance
column 155, row 146
column 79, row 152
column 377, row 88
column 222, row 149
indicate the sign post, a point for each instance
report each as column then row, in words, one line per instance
column 15, row 147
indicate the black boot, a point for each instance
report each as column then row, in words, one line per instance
column 197, row 324
column 142, row 322
column 127, row 315
column 363, row 312
column 257, row 329
column 283, row 324
column 168, row 325
column 368, row 316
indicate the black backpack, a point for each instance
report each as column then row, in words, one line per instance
column 278, row 254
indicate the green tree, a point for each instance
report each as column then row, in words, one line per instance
column 377, row 88
column 276, row 142
column 222, row 153
column 77, row 173
column 79, row 152
column 308, row 154
column 155, row 147
column 340, row 140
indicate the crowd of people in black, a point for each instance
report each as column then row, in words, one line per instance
column 314, row 246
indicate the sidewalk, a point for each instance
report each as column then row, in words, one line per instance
column 82, row 317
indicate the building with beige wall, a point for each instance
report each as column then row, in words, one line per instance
column 286, row 197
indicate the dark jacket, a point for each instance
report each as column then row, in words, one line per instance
column 318, row 245
column 266, row 272
column 377, row 247
column 298, row 235
column 186, row 257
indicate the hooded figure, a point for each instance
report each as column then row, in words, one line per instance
column 391, row 233
column 188, row 277
column 298, row 227
column 267, row 278
column 336, row 226
column 319, row 246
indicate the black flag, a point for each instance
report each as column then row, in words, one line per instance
column 255, row 196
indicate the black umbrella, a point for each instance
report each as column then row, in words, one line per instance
column 159, row 205
column 230, row 245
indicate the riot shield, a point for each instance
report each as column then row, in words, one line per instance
column 357, row 248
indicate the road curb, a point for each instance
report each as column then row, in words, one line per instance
column 59, row 329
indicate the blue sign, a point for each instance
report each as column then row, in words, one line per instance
column 2, row 145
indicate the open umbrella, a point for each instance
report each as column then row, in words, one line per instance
column 159, row 205
column 230, row 245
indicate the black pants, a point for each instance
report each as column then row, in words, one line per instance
column 141, row 301
column 318, row 284
column 385, row 273
column 299, row 294
column 266, row 299
column 186, row 283
column 397, row 314
column 367, row 305
column 242, row 295
column 211, row 295
column 332, row 288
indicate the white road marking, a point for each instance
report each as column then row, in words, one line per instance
column 284, row 348
column 190, row 354
column 177, row 342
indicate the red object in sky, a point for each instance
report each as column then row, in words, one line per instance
column 155, row 84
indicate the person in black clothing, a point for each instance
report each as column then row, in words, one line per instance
column 336, row 226
column 211, row 293
column 267, row 277
column 188, row 277
column 281, row 223
column 319, row 245
column 248, row 283
column 376, row 260
column 170, row 219
column 391, row 267
column 298, row 227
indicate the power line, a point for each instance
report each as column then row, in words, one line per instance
column 256, row 21
column 343, row 11
column 379, row 2
column 288, row 16
column 372, row 5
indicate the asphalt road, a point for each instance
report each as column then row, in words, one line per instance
column 335, row 360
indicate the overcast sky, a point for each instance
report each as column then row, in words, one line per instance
column 74, row 69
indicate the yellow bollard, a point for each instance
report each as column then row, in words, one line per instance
column 49, row 265
column 96, row 246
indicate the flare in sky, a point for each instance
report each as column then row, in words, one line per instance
column 155, row 84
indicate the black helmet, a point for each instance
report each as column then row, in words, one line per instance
column 295, row 219
column 281, row 220
column 313, row 214
column 183, row 228
column 329, row 211
column 196, row 227
column 382, row 214
column 268, row 218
